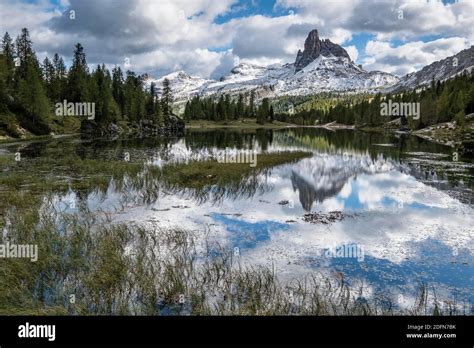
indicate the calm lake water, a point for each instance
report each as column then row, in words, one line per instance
column 407, row 205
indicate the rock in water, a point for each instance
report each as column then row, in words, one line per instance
column 174, row 126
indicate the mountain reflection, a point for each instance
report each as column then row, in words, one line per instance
column 323, row 176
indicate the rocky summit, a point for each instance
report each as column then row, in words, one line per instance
column 314, row 47
column 322, row 66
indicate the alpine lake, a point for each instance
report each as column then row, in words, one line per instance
column 384, row 221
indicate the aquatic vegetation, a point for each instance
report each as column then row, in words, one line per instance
column 199, row 174
column 89, row 265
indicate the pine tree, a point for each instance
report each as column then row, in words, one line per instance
column 29, row 89
column 240, row 108
column 4, row 99
column 457, row 103
column 117, row 87
column 251, row 108
column 220, row 109
column 59, row 82
column 159, row 112
column 271, row 115
column 167, row 98
column 26, row 55
column 470, row 100
column 263, row 111
column 428, row 114
column 101, row 94
column 48, row 77
column 134, row 98
column 457, row 108
column 229, row 113
column 442, row 106
column 8, row 51
column 78, row 85
column 33, row 98
column 150, row 103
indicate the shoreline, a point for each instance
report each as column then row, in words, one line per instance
column 242, row 124
column 450, row 136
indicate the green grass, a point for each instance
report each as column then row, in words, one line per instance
column 118, row 269
column 199, row 174
column 131, row 269
column 59, row 169
column 214, row 181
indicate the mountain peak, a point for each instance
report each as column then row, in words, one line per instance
column 314, row 47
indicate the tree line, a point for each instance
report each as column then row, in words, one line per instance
column 439, row 102
column 29, row 90
column 226, row 108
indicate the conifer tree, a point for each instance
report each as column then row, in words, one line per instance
column 78, row 86
column 59, row 82
column 8, row 51
column 25, row 54
column 167, row 98
column 48, row 77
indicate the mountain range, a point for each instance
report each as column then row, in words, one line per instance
column 322, row 66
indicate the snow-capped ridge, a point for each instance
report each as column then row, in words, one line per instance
column 322, row 67
column 440, row 70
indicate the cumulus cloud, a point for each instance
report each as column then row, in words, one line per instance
column 412, row 56
column 390, row 18
column 353, row 52
column 162, row 36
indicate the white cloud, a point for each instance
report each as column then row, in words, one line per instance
column 160, row 36
column 381, row 55
column 353, row 52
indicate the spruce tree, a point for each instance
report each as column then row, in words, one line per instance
column 442, row 106
column 117, row 87
column 263, row 111
column 25, row 54
column 33, row 99
column 8, row 51
column 251, row 108
column 48, row 77
column 240, row 109
column 150, row 103
column 167, row 98
column 271, row 115
column 78, row 85
column 59, row 82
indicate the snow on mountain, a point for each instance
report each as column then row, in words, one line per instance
column 322, row 66
column 334, row 74
column 182, row 84
column 441, row 70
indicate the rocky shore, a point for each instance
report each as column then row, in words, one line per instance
column 172, row 127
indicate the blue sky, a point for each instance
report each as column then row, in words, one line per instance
column 207, row 38
column 246, row 8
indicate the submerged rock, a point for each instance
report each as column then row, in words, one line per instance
column 320, row 218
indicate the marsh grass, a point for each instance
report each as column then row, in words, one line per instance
column 87, row 265
column 118, row 269
column 211, row 180
column 54, row 172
